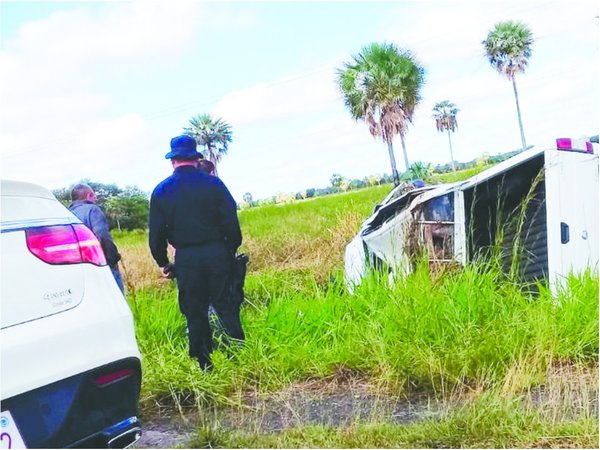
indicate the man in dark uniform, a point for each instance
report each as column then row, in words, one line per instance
column 196, row 214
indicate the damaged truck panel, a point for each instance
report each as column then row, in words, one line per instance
column 539, row 210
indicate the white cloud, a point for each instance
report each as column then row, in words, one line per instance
column 139, row 30
column 440, row 32
column 55, row 107
column 292, row 131
column 446, row 38
column 282, row 98
column 96, row 151
column 550, row 93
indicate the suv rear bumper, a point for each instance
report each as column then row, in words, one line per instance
column 94, row 409
column 49, row 349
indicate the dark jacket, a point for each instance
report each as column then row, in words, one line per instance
column 190, row 209
column 92, row 217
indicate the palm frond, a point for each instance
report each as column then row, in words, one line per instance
column 381, row 85
column 508, row 47
column 212, row 134
column 444, row 113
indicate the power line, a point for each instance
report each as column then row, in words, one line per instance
column 160, row 114
column 328, row 65
column 567, row 71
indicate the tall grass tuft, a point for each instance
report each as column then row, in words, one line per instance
column 426, row 334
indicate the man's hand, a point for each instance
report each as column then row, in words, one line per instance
column 168, row 271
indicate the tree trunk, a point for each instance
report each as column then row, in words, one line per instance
column 213, row 158
column 519, row 113
column 406, row 163
column 393, row 163
column 451, row 155
column 118, row 225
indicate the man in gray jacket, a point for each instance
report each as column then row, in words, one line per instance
column 84, row 207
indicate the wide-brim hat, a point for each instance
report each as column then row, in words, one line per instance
column 183, row 147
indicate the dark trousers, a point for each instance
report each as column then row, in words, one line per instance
column 202, row 275
column 118, row 277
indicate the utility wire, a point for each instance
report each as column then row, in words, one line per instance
column 195, row 104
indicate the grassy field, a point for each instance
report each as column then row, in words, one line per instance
column 459, row 175
column 503, row 368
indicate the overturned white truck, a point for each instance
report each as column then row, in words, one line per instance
column 539, row 209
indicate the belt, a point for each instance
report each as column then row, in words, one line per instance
column 182, row 247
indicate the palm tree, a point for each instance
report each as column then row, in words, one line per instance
column 508, row 48
column 382, row 87
column 336, row 180
column 444, row 113
column 420, row 171
column 214, row 135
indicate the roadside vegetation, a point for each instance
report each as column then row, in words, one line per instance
column 489, row 365
column 488, row 422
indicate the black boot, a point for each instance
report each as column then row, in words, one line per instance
column 205, row 364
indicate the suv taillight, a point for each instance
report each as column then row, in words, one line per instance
column 65, row 244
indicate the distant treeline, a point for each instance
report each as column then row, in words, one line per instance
column 125, row 209
column 339, row 183
column 128, row 208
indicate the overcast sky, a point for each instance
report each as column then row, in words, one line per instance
column 97, row 90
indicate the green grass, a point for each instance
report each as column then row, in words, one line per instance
column 426, row 334
column 459, row 175
column 130, row 238
column 308, row 217
column 438, row 335
column 487, row 423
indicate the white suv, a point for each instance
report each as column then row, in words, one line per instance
column 70, row 372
